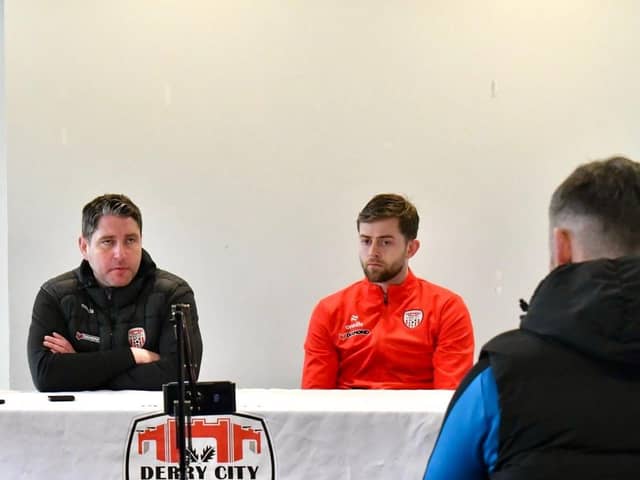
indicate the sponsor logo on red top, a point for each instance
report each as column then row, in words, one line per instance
column 354, row 327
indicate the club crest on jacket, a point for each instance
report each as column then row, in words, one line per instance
column 412, row 318
column 137, row 337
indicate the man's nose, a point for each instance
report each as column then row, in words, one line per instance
column 119, row 250
column 374, row 251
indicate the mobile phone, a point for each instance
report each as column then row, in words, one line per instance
column 61, row 398
column 1, row 401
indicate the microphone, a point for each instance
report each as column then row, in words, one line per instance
column 524, row 306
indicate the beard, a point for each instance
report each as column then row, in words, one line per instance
column 382, row 275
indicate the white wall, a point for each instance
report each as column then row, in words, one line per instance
column 4, row 295
column 251, row 134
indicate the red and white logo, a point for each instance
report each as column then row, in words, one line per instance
column 137, row 337
column 412, row 318
column 234, row 446
column 87, row 337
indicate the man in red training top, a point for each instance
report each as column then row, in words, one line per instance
column 391, row 329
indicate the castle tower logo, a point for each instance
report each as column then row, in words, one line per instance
column 224, row 447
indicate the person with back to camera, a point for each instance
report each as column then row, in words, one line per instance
column 106, row 324
column 392, row 329
column 558, row 398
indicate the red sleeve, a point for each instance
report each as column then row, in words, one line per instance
column 320, row 355
column 453, row 356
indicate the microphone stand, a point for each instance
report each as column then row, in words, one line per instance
column 183, row 406
column 189, row 397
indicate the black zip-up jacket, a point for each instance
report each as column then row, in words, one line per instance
column 569, row 379
column 103, row 323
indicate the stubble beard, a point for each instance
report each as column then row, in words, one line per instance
column 384, row 275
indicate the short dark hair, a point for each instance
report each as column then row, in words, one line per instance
column 108, row 204
column 607, row 192
column 391, row 205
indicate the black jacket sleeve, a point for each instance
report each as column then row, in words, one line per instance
column 67, row 371
column 153, row 375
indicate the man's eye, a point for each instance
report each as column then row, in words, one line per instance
column 107, row 242
column 132, row 241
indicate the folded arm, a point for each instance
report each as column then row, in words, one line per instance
column 152, row 376
column 67, row 371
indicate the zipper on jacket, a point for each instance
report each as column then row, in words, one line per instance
column 109, row 294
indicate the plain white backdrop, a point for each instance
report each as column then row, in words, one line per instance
column 4, row 291
column 251, row 134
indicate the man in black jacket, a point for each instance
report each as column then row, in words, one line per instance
column 558, row 398
column 106, row 324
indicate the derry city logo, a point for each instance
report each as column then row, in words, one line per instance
column 224, row 447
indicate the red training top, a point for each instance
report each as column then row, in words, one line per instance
column 419, row 336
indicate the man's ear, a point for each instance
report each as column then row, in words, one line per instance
column 413, row 247
column 562, row 247
column 83, row 245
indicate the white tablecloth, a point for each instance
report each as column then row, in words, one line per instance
column 314, row 434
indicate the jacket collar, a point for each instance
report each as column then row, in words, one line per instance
column 115, row 296
column 395, row 292
column 593, row 307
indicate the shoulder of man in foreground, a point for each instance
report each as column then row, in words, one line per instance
column 467, row 445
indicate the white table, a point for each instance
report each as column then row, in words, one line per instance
column 313, row 434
